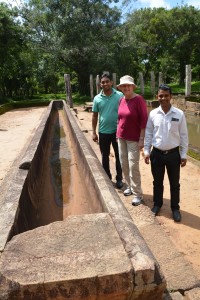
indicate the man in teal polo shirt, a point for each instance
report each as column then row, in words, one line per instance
column 105, row 106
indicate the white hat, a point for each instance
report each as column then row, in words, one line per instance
column 126, row 80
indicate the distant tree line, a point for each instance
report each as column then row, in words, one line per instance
column 42, row 40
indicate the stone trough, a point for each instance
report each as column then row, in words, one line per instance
column 64, row 232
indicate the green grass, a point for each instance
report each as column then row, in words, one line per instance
column 176, row 89
column 78, row 99
column 195, row 87
column 194, row 155
column 40, row 100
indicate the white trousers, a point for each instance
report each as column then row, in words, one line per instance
column 129, row 155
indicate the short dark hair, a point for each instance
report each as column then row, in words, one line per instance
column 107, row 75
column 165, row 87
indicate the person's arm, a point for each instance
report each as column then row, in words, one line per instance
column 148, row 140
column 94, row 126
column 143, row 121
column 141, row 139
column 183, row 141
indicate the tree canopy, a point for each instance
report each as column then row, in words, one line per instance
column 42, row 40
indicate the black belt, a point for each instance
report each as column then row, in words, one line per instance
column 166, row 151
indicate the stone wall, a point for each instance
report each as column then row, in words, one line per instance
column 187, row 106
column 180, row 102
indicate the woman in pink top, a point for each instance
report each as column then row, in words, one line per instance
column 132, row 119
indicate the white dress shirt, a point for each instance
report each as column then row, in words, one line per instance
column 166, row 131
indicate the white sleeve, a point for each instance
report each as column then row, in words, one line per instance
column 183, row 137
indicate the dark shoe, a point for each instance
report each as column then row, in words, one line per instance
column 176, row 215
column 155, row 210
column 119, row 184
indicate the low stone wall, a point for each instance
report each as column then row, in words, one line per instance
column 93, row 256
column 180, row 102
column 187, row 106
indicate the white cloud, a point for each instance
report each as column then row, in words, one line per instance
column 168, row 4
column 194, row 3
column 153, row 3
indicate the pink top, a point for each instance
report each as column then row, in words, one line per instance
column 132, row 117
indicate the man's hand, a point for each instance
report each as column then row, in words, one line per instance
column 146, row 159
column 94, row 126
column 95, row 137
column 183, row 162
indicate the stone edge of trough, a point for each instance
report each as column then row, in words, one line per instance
column 14, row 181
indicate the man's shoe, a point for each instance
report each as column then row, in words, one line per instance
column 176, row 215
column 128, row 192
column 137, row 200
column 155, row 210
column 119, row 184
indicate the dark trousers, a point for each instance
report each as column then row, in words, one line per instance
column 171, row 161
column 105, row 141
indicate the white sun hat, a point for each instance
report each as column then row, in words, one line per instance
column 126, row 80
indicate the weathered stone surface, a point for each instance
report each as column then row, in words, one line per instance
column 192, row 294
column 178, row 278
column 14, row 182
column 190, row 106
column 198, row 106
column 79, row 258
column 173, row 296
column 187, row 106
column 9, row 205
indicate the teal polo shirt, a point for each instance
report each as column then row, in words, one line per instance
column 107, row 107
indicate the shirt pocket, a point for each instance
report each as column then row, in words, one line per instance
column 157, row 124
column 174, row 126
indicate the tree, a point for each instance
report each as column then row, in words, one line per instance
column 11, row 44
column 78, row 33
column 183, row 42
column 147, row 31
column 165, row 40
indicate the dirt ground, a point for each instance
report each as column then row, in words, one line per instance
column 17, row 128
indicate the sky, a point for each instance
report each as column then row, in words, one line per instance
column 137, row 4
column 168, row 4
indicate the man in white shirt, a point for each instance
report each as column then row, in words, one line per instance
column 166, row 132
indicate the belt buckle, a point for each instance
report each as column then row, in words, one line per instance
column 165, row 152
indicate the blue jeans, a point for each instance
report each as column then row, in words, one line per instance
column 105, row 141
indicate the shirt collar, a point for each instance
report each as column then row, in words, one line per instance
column 102, row 93
column 172, row 110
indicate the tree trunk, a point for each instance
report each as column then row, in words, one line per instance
column 84, row 84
